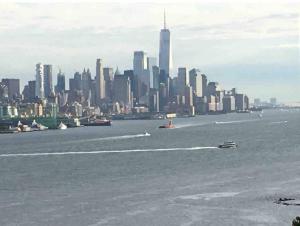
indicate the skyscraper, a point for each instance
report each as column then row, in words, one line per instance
column 13, row 86
column 39, row 81
column 139, row 70
column 48, row 87
column 100, row 86
column 198, row 82
column 61, row 82
column 183, row 80
column 108, row 74
column 165, row 52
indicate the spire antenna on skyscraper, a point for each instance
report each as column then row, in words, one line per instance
column 165, row 23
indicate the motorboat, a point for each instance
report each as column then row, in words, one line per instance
column 167, row 126
column 23, row 128
column 37, row 126
column 146, row 134
column 62, row 126
column 228, row 144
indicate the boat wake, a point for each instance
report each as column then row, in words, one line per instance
column 279, row 122
column 112, row 138
column 103, row 152
column 236, row 122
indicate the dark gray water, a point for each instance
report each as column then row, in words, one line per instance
column 173, row 177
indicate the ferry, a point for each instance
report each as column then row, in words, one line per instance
column 98, row 122
column 167, row 126
column 228, row 144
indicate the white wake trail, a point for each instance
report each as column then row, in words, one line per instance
column 102, row 152
column 237, row 121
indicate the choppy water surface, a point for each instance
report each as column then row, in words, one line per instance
column 118, row 176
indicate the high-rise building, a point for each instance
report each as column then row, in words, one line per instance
column 122, row 93
column 108, row 74
column 13, row 86
column 198, row 82
column 48, row 86
column 183, row 80
column 31, row 93
column 188, row 95
column 140, row 71
column 39, row 81
column 61, row 82
column 86, row 81
column 165, row 52
column 100, row 86
column 151, row 62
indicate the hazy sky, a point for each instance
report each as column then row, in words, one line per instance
column 251, row 45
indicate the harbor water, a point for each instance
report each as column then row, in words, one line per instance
column 118, row 176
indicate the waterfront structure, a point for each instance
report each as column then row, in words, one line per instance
column 48, row 86
column 39, row 81
column 100, row 86
column 13, row 87
column 165, row 50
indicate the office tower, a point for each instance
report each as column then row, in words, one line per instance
column 140, row 71
column 86, row 82
column 100, row 86
column 31, row 92
column 212, row 88
column 165, row 53
column 183, row 80
column 156, row 79
column 162, row 96
column 198, row 82
column 240, row 102
column 13, row 87
column 154, row 100
column 48, row 86
column 139, row 63
column 151, row 62
column 39, row 81
column 3, row 91
column 121, row 87
column 188, row 93
column 108, row 74
column 61, row 82
column 228, row 103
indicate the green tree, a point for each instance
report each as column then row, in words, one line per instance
column 296, row 221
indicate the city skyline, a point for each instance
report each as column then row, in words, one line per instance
column 230, row 58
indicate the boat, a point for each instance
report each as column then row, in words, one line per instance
column 146, row 134
column 99, row 122
column 37, row 126
column 228, row 144
column 62, row 126
column 23, row 127
column 167, row 126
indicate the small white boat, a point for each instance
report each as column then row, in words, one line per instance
column 147, row 134
column 62, row 126
column 38, row 127
column 228, row 144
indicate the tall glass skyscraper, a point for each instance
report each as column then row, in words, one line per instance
column 165, row 52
